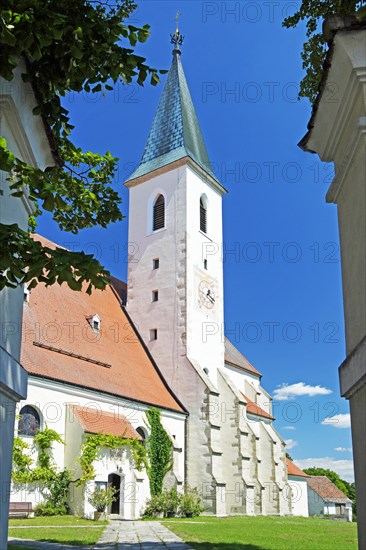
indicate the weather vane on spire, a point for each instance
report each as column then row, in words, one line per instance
column 177, row 39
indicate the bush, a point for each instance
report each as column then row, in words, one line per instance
column 155, row 506
column 101, row 498
column 55, row 503
column 171, row 502
column 48, row 509
column 191, row 502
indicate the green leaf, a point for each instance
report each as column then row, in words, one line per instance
column 7, row 37
column 49, row 203
column 76, row 52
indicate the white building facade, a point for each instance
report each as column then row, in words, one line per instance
column 299, row 490
column 63, row 408
column 337, row 133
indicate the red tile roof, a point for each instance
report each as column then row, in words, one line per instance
column 59, row 343
column 237, row 359
column 326, row 488
column 253, row 408
column 96, row 421
column 294, row 470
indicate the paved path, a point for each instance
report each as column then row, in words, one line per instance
column 122, row 535
column 139, row 535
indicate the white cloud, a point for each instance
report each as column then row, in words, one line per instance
column 343, row 449
column 288, row 428
column 284, row 392
column 342, row 467
column 338, row 421
column 290, row 443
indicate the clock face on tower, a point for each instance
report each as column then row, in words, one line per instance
column 206, row 294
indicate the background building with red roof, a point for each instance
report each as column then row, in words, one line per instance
column 325, row 499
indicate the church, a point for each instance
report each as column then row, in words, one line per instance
column 97, row 363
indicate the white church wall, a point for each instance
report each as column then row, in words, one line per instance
column 205, row 330
column 174, row 315
column 166, row 245
column 52, row 399
column 299, row 493
column 133, row 496
column 239, row 377
column 231, row 448
column 250, row 385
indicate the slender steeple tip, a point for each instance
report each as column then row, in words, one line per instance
column 177, row 38
column 175, row 132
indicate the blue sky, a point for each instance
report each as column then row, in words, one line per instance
column 283, row 293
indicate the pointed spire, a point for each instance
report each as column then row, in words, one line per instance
column 175, row 132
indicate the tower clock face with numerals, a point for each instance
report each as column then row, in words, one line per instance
column 206, row 294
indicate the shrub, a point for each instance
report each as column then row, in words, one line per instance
column 191, row 502
column 55, row 503
column 155, row 506
column 101, row 498
column 172, row 502
column 48, row 509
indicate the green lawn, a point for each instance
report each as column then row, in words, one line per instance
column 60, row 529
column 53, row 520
column 265, row 533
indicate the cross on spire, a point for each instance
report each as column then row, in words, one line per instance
column 177, row 17
column 177, row 38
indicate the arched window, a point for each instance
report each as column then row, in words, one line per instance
column 29, row 421
column 159, row 213
column 142, row 432
column 203, row 215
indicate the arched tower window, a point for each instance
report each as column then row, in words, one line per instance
column 159, row 213
column 29, row 421
column 203, row 215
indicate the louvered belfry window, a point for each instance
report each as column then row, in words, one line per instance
column 159, row 213
column 203, row 216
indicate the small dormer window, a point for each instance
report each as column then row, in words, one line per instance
column 94, row 322
column 26, row 295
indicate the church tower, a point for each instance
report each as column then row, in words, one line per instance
column 175, row 276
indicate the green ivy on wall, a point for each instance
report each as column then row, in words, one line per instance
column 93, row 443
column 159, row 448
column 155, row 457
column 45, row 470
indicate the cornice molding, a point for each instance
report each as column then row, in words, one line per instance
column 357, row 140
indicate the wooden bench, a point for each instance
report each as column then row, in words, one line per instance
column 20, row 509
